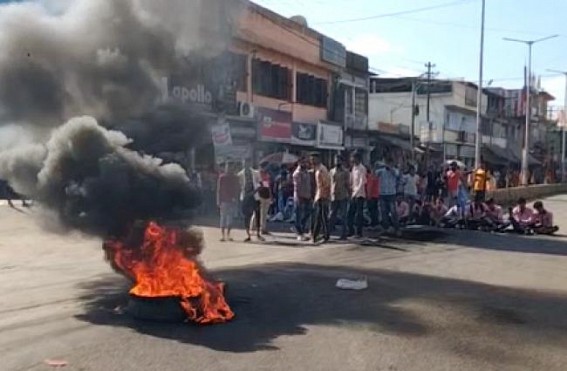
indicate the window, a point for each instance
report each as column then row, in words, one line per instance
column 238, row 63
column 361, row 102
column 271, row 80
column 348, row 101
column 311, row 90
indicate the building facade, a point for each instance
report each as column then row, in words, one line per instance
column 273, row 88
column 450, row 131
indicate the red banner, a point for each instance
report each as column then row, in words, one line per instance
column 274, row 126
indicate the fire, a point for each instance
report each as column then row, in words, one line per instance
column 165, row 265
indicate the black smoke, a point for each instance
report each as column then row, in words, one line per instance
column 86, row 80
column 93, row 183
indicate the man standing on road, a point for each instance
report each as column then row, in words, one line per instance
column 264, row 198
column 358, row 195
column 372, row 195
column 340, row 190
column 249, row 184
column 228, row 189
column 453, row 180
column 301, row 197
column 411, row 180
column 322, row 197
column 480, row 182
column 389, row 179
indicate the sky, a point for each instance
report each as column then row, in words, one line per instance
column 447, row 35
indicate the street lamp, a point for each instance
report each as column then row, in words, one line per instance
column 478, row 142
column 529, row 43
column 563, row 124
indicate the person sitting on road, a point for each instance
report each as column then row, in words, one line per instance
column 494, row 216
column 543, row 220
column 475, row 214
column 416, row 211
column 522, row 218
column 453, row 218
column 403, row 210
column 438, row 211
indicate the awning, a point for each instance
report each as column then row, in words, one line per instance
column 396, row 142
column 496, row 155
column 491, row 158
column 517, row 152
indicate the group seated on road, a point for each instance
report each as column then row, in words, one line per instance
column 485, row 216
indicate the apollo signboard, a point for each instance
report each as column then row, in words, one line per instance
column 194, row 94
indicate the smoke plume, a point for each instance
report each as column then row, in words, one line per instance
column 94, row 184
column 84, row 77
column 99, row 58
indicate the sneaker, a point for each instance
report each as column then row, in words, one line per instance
column 260, row 238
column 300, row 238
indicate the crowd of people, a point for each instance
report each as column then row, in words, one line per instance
column 351, row 197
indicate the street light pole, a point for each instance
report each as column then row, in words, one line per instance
column 525, row 165
column 412, row 129
column 563, row 127
column 478, row 143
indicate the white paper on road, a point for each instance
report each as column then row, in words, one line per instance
column 349, row 284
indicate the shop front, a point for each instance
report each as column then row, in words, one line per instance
column 234, row 140
column 274, row 131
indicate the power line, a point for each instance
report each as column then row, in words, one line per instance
column 402, row 12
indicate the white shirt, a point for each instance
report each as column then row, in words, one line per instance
column 410, row 184
column 358, row 181
column 255, row 181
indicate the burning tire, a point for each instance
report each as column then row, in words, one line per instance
column 156, row 309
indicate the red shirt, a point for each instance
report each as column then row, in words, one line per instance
column 372, row 186
column 453, row 178
column 228, row 188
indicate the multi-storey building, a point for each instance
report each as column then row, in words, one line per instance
column 450, row 131
column 274, row 88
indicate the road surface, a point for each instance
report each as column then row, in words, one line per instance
column 465, row 301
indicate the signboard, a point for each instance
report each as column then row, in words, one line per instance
column 221, row 135
column 356, row 142
column 274, row 126
column 329, row 136
column 303, row 134
column 195, row 93
column 333, row 52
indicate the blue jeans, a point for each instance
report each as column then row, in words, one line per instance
column 302, row 214
column 389, row 212
column 339, row 209
column 281, row 201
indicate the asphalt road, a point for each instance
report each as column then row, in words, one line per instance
column 466, row 301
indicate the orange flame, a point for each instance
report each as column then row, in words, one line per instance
column 166, row 266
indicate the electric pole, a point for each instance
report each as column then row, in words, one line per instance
column 429, row 66
column 413, row 112
column 429, row 74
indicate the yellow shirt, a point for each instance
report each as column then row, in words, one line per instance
column 480, row 180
